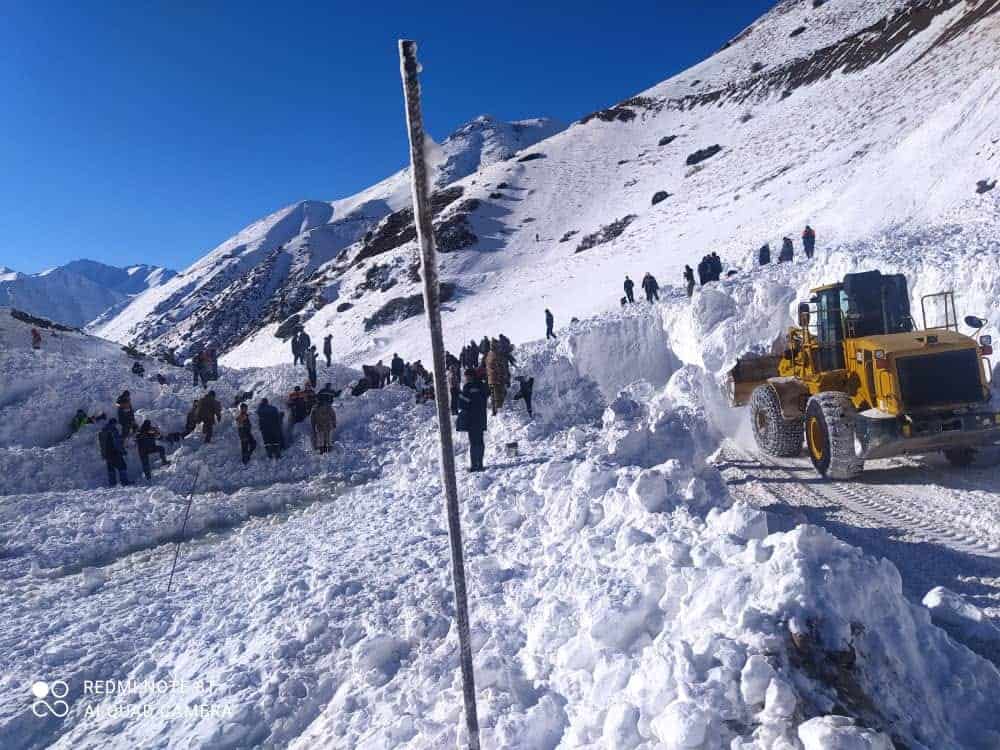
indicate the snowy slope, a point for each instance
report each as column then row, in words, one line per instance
column 263, row 273
column 79, row 292
column 879, row 117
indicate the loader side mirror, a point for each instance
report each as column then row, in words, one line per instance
column 804, row 315
column 973, row 322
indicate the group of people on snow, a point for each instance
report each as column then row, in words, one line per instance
column 113, row 437
column 787, row 254
column 487, row 382
column 650, row 286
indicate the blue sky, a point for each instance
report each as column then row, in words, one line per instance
column 150, row 132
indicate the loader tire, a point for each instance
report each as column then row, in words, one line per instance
column 830, row 436
column 775, row 435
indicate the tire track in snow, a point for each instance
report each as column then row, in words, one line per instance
column 875, row 504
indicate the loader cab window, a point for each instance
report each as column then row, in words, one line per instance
column 829, row 330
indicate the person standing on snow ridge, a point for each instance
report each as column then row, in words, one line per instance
column 809, row 241
column 126, row 414
column 397, row 366
column 629, row 289
column 651, row 287
column 296, row 348
column 764, row 255
column 550, row 324
column 472, row 417
column 689, row 280
column 145, row 441
column 324, row 422
column 716, row 263
column 787, row 254
column 526, row 386
column 209, row 412
column 269, row 421
column 328, row 349
column 244, row 428
column 113, row 453
column 36, row 339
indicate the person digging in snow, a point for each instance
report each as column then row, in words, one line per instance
column 497, row 375
column 328, row 349
column 689, row 280
column 651, row 287
column 269, row 421
column 764, row 255
column 113, row 453
column 145, row 441
column 629, row 290
column 209, row 412
column 525, row 387
column 787, row 254
column 244, row 427
column 324, row 422
column 126, row 414
column 472, row 416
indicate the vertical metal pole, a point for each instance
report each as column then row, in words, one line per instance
column 180, row 538
column 409, row 70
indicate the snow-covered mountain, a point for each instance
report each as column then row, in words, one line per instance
column 78, row 292
column 269, row 270
column 858, row 116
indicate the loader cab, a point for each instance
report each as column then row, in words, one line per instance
column 828, row 327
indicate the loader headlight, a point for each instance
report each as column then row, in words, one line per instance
column 907, row 430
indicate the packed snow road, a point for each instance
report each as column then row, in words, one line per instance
column 939, row 525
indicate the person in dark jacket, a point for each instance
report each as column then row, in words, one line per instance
column 629, row 289
column 526, row 386
column 396, row 367
column 484, row 349
column 126, row 414
column 296, row 348
column 716, row 264
column 472, row 416
column 209, row 412
column 269, row 421
column 454, row 386
column 113, row 453
column 328, row 349
column 764, row 255
column 689, row 280
column 327, row 394
column 809, row 241
column 145, row 440
column 245, row 429
column 651, row 287
column 787, row 254
column 550, row 324
column 138, row 369
column 297, row 405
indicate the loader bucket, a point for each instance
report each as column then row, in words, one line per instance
column 750, row 371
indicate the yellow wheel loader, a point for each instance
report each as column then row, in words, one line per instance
column 858, row 380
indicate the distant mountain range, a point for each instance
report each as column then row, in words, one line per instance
column 79, row 292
